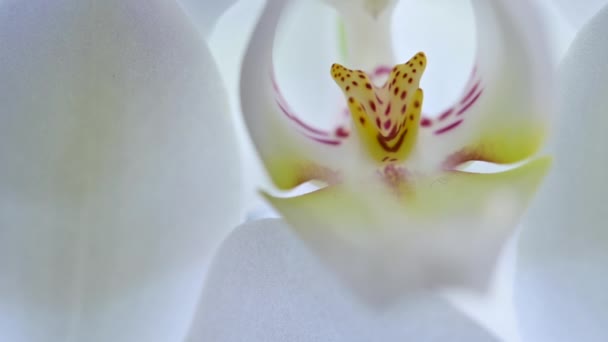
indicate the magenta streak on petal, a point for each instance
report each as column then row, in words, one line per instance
column 310, row 131
column 470, row 93
column 446, row 114
column 299, row 122
column 342, row 132
column 468, row 105
column 449, row 127
column 324, row 141
column 426, row 122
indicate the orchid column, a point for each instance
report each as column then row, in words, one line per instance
column 118, row 170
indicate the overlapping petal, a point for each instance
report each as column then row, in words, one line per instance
column 205, row 13
column 118, row 170
column 265, row 285
column 562, row 279
column 504, row 112
column 578, row 13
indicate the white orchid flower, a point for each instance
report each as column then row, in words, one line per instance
column 397, row 212
column 270, row 285
column 119, row 170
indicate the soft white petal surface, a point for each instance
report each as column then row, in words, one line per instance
column 577, row 13
column 119, row 170
column 445, row 31
column 266, row 286
column 205, row 13
column 562, row 279
column 561, row 33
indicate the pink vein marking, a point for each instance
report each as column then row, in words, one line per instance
column 382, row 70
column 449, row 127
column 470, row 93
column 282, row 103
column 445, row 114
column 300, row 122
column 324, row 141
column 468, row 105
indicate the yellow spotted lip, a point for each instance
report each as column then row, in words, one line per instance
column 386, row 118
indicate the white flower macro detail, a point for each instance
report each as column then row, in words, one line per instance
column 397, row 211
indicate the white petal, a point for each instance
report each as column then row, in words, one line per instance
column 385, row 239
column 562, row 278
column 578, row 12
column 119, row 170
column 205, row 13
column 503, row 113
column 560, row 32
column 303, row 55
column 368, row 34
column 293, row 152
column 266, row 286
column 445, row 31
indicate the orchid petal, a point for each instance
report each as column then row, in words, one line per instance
column 367, row 25
column 265, row 285
column 562, row 279
column 445, row 31
column 302, row 54
column 292, row 151
column 503, row 114
column 205, row 13
column 119, row 170
column 385, row 238
column 578, row 13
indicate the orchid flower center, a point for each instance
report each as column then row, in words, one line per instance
column 386, row 118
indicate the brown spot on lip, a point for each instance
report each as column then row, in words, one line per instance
column 372, row 105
